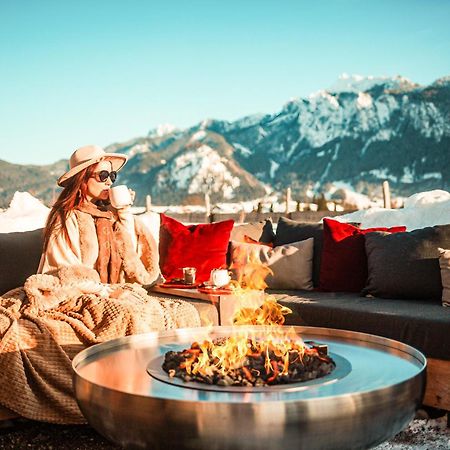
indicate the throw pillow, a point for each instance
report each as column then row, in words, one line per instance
column 344, row 262
column 19, row 257
column 291, row 264
column 444, row 262
column 259, row 231
column 202, row 246
column 289, row 231
column 249, row 240
column 406, row 265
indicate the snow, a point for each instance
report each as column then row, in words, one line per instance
column 315, row 98
column 273, row 168
column 408, row 176
column 427, row 176
column 423, row 209
column 244, row 151
column 364, row 100
column 345, row 192
column 24, row 213
column 199, row 170
column 383, row 174
column 359, row 83
column 421, row 434
column 198, row 136
column 162, row 129
column 135, row 149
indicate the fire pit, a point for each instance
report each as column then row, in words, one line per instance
column 369, row 397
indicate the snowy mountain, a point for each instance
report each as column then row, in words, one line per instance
column 347, row 138
column 357, row 134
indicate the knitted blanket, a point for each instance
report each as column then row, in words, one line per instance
column 44, row 324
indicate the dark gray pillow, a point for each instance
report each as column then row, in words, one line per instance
column 289, row 231
column 259, row 231
column 406, row 265
column 19, row 257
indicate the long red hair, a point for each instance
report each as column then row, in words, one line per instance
column 74, row 193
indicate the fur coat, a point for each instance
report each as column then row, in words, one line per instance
column 134, row 242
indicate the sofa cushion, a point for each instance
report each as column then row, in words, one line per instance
column 291, row 264
column 420, row 323
column 344, row 264
column 202, row 246
column 19, row 257
column 444, row 262
column 258, row 231
column 406, row 265
column 289, row 231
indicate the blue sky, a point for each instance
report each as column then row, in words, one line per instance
column 79, row 72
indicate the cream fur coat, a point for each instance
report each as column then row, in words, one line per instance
column 136, row 245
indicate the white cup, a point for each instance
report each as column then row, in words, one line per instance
column 219, row 277
column 120, row 196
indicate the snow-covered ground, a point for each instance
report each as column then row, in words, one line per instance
column 420, row 210
column 25, row 213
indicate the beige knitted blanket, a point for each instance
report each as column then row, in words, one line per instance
column 47, row 322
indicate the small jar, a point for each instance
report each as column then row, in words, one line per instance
column 189, row 275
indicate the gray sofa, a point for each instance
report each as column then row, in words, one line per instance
column 424, row 323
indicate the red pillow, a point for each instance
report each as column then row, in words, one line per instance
column 344, row 261
column 201, row 246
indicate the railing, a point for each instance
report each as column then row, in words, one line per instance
column 301, row 216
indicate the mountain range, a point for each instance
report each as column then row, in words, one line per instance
column 349, row 137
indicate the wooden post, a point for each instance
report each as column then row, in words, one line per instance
column 288, row 199
column 148, row 202
column 207, row 207
column 242, row 216
column 386, row 195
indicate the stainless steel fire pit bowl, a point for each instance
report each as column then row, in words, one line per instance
column 372, row 395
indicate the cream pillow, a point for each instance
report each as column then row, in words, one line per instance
column 444, row 262
column 291, row 264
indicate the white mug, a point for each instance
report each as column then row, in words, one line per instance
column 120, row 196
column 219, row 277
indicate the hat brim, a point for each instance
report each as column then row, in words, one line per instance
column 117, row 162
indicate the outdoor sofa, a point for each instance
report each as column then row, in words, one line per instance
column 421, row 322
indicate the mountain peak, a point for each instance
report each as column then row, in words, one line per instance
column 359, row 83
column 443, row 81
column 162, row 129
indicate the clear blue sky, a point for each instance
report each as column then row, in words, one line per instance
column 104, row 71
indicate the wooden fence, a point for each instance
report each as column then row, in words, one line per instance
column 301, row 216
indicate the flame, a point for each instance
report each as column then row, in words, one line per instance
column 234, row 352
column 250, row 272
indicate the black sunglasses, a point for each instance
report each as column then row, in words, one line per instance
column 104, row 174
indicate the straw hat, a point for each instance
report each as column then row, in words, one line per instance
column 88, row 155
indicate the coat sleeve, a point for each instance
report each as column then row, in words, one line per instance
column 60, row 251
column 127, row 219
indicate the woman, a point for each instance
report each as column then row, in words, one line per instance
column 88, row 290
column 84, row 229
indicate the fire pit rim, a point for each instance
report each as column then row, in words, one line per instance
column 86, row 355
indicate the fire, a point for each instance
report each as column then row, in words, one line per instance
column 278, row 355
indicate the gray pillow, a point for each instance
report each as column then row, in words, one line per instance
column 406, row 265
column 291, row 264
column 19, row 257
column 289, row 231
column 258, row 231
column 444, row 262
